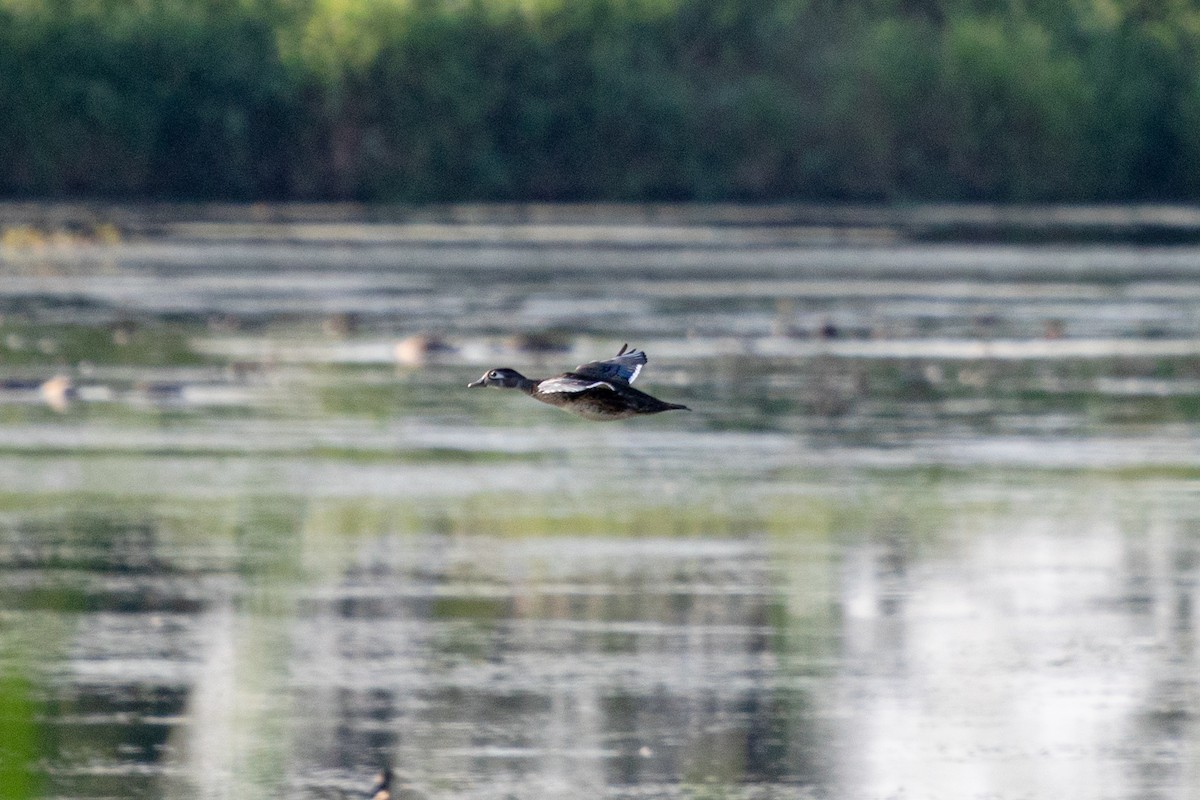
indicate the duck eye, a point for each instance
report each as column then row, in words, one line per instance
column 494, row 374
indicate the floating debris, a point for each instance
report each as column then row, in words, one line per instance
column 58, row 392
column 421, row 348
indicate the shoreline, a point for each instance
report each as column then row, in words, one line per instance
column 590, row 223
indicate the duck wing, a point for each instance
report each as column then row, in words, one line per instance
column 571, row 383
column 625, row 366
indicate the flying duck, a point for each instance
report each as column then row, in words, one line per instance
column 597, row 390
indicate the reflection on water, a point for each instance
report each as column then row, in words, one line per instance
column 944, row 637
column 930, row 531
column 1047, row 656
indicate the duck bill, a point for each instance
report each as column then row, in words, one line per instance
column 474, row 384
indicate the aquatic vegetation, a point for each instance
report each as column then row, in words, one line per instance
column 73, row 344
column 22, row 742
column 20, row 238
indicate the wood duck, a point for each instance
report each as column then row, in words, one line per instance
column 597, row 390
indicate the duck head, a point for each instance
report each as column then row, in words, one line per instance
column 502, row 378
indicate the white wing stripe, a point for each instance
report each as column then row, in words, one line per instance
column 569, row 385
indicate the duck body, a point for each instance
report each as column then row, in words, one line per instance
column 598, row 390
column 601, row 402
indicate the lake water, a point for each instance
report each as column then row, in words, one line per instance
column 931, row 529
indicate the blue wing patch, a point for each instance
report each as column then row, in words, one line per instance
column 625, row 366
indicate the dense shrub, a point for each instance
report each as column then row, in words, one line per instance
column 427, row 100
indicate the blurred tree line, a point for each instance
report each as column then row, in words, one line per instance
column 429, row 100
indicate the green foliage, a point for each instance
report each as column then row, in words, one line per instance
column 18, row 739
column 428, row 100
column 165, row 98
column 1019, row 107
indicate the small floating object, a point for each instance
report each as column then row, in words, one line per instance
column 421, row 348
column 598, row 390
column 58, row 392
column 539, row 343
column 159, row 393
column 341, row 325
column 123, row 332
column 383, row 790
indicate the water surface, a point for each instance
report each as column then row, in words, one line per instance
column 929, row 531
